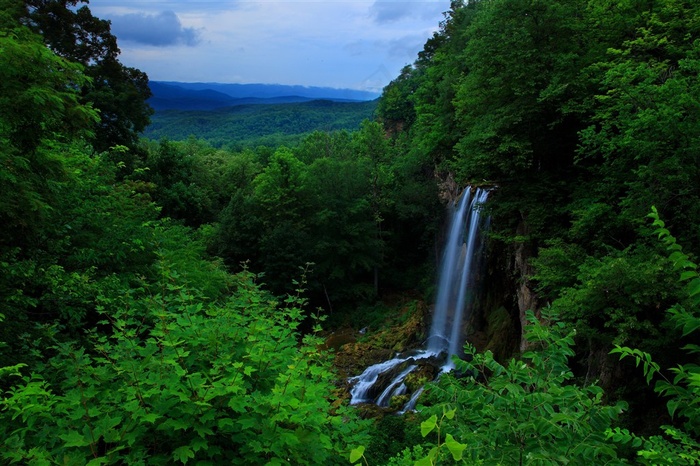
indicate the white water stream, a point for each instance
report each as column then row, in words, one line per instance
column 455, row 298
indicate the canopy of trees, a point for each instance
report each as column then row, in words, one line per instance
column 582, row 116
column 116, row 91
column 244, row 126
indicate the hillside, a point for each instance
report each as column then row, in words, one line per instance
column 250, row 125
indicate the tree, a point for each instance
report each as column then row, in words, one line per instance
column 644, row 136
column 395, row 109
column 638, row 148
column 342, row 229
column 371, row 148
column 118, row 92
column 678, row 445
column 522, row 60
column 39, row 112
column 282, row 206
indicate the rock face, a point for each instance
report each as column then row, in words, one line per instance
column 495, row 323
column 499, row 318
column 527, row 299
column 506, row 294
column 448, row 189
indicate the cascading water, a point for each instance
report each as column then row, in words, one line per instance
column 455, row 298
column 455, row 289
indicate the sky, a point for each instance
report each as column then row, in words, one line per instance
column 361, row 44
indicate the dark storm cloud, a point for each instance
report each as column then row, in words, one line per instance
column 161, row 30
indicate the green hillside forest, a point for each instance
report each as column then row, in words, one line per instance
column 172, row 299
column 252, row 125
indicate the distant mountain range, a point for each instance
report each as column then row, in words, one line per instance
column 170, row 95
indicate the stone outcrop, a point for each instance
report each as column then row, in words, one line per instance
column 507, row 294
column 527, row 299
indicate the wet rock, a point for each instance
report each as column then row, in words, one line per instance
column 426, row 372
column 339, row 338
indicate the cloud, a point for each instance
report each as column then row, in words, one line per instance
column 389, row 11
column 333, row 43
column 160, row 30
column 406, row 47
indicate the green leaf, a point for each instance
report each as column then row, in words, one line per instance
column 672, row 406
column 98, row 461
column 150, row 417
column 692, row 348
column 183, row 454
column 428, row 425
column 694, row 287
column 356, row 454
column 455, row 447
column 75, row 439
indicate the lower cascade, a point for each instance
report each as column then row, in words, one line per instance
column 455, row 299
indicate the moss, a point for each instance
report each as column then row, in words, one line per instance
column 398, row 402
column 402, row 329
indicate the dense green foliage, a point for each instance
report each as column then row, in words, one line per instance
column 125, row 337
column 116, row 91
column 252, row 125
column 178, row 379
column 681, row 392
column 583, row 115
column 524, row 412
column 345, row 202
column 122, row 340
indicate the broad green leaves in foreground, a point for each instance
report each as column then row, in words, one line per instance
column 524, row 412
column 177, row 380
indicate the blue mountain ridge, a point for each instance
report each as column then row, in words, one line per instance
column 172, row 95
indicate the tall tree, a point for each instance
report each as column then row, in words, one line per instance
column 39, row 109
column 118, row 92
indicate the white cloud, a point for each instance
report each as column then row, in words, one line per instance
column 321, row 43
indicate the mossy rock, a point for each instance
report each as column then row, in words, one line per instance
column 398, row 402
column 404, row 331
column 418, row 378
column 339, row 338
column 372, row 411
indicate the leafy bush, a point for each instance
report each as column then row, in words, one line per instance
column 678, row 445
column 525, row 412
column 178, row 380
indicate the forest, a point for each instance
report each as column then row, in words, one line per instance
column 169, row 301
column 244, row 126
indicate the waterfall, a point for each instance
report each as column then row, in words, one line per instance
column 455, row 291
column 455, row 299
